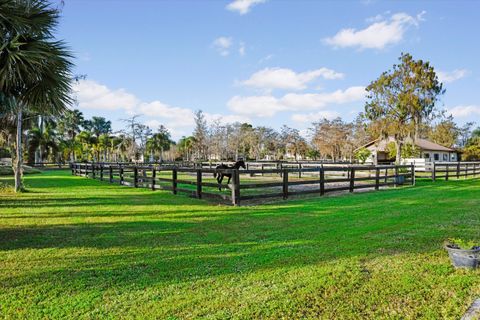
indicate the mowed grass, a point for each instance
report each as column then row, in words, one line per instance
column 78, row 248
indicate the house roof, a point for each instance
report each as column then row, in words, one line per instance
column 429, row 145
column 421, row 143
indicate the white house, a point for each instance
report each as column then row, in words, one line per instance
column 429, row 152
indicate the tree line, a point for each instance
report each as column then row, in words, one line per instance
column 71, row 137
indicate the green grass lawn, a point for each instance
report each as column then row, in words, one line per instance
column 78, row 248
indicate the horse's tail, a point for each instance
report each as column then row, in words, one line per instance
column 215, row 174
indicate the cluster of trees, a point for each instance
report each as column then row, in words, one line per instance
column 70, row 137
column 401, row 104
column 35, row 69
column 240, row 140
column 326, row 139
column 471, row 149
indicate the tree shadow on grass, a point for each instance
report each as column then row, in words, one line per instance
column 270, row 237
column 152, row 254
column 116, row 199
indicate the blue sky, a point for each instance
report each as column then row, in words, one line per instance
column 268, row 62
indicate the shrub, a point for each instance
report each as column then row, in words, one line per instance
column 462, row 244
column 362, row 154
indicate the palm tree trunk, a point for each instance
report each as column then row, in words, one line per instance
column 19, row 155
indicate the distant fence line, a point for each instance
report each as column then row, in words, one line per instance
column 438, row 169
column 191, row 163
column 319, row 180
column 446, row 170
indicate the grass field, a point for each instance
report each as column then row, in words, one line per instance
column 78, row 248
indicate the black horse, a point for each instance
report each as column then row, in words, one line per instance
column 221, row 175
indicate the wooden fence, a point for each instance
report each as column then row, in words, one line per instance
column 447, row 170
column 267, row 183
column 48, row 165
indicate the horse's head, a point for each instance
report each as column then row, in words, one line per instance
column 240, row 164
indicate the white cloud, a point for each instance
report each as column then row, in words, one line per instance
column 175, row 117
column 465, row 111
column 176, row 132
column 319, row 100
column 268, row 106
column 378, row 35
column 180, row 121
column 310, row 117
column 243, row 6
column 281, row 78
column 260, row 106
column 447, row 77
column 92, row 95
column 222, row 45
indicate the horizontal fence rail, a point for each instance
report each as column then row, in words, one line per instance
column 448, row 170
column 47, row 165
column 250, row 184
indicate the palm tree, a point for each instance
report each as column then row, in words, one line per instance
column 42, row 140
column 186, row 145
column 34, row 68
column 104, row 147
column 87, row 144
column 69, row 127
column 159, row 142
column 98, row 126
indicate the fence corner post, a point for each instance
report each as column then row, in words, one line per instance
column 352, row 179
column 199, row 183
column 135, row 177
column 285, row 184
column 154, row 174
column 235, row 187
column 174, row 180
column 396, row 179
column 412, row 168
column 322, row 181
column 377, row 178
column 121, row 174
